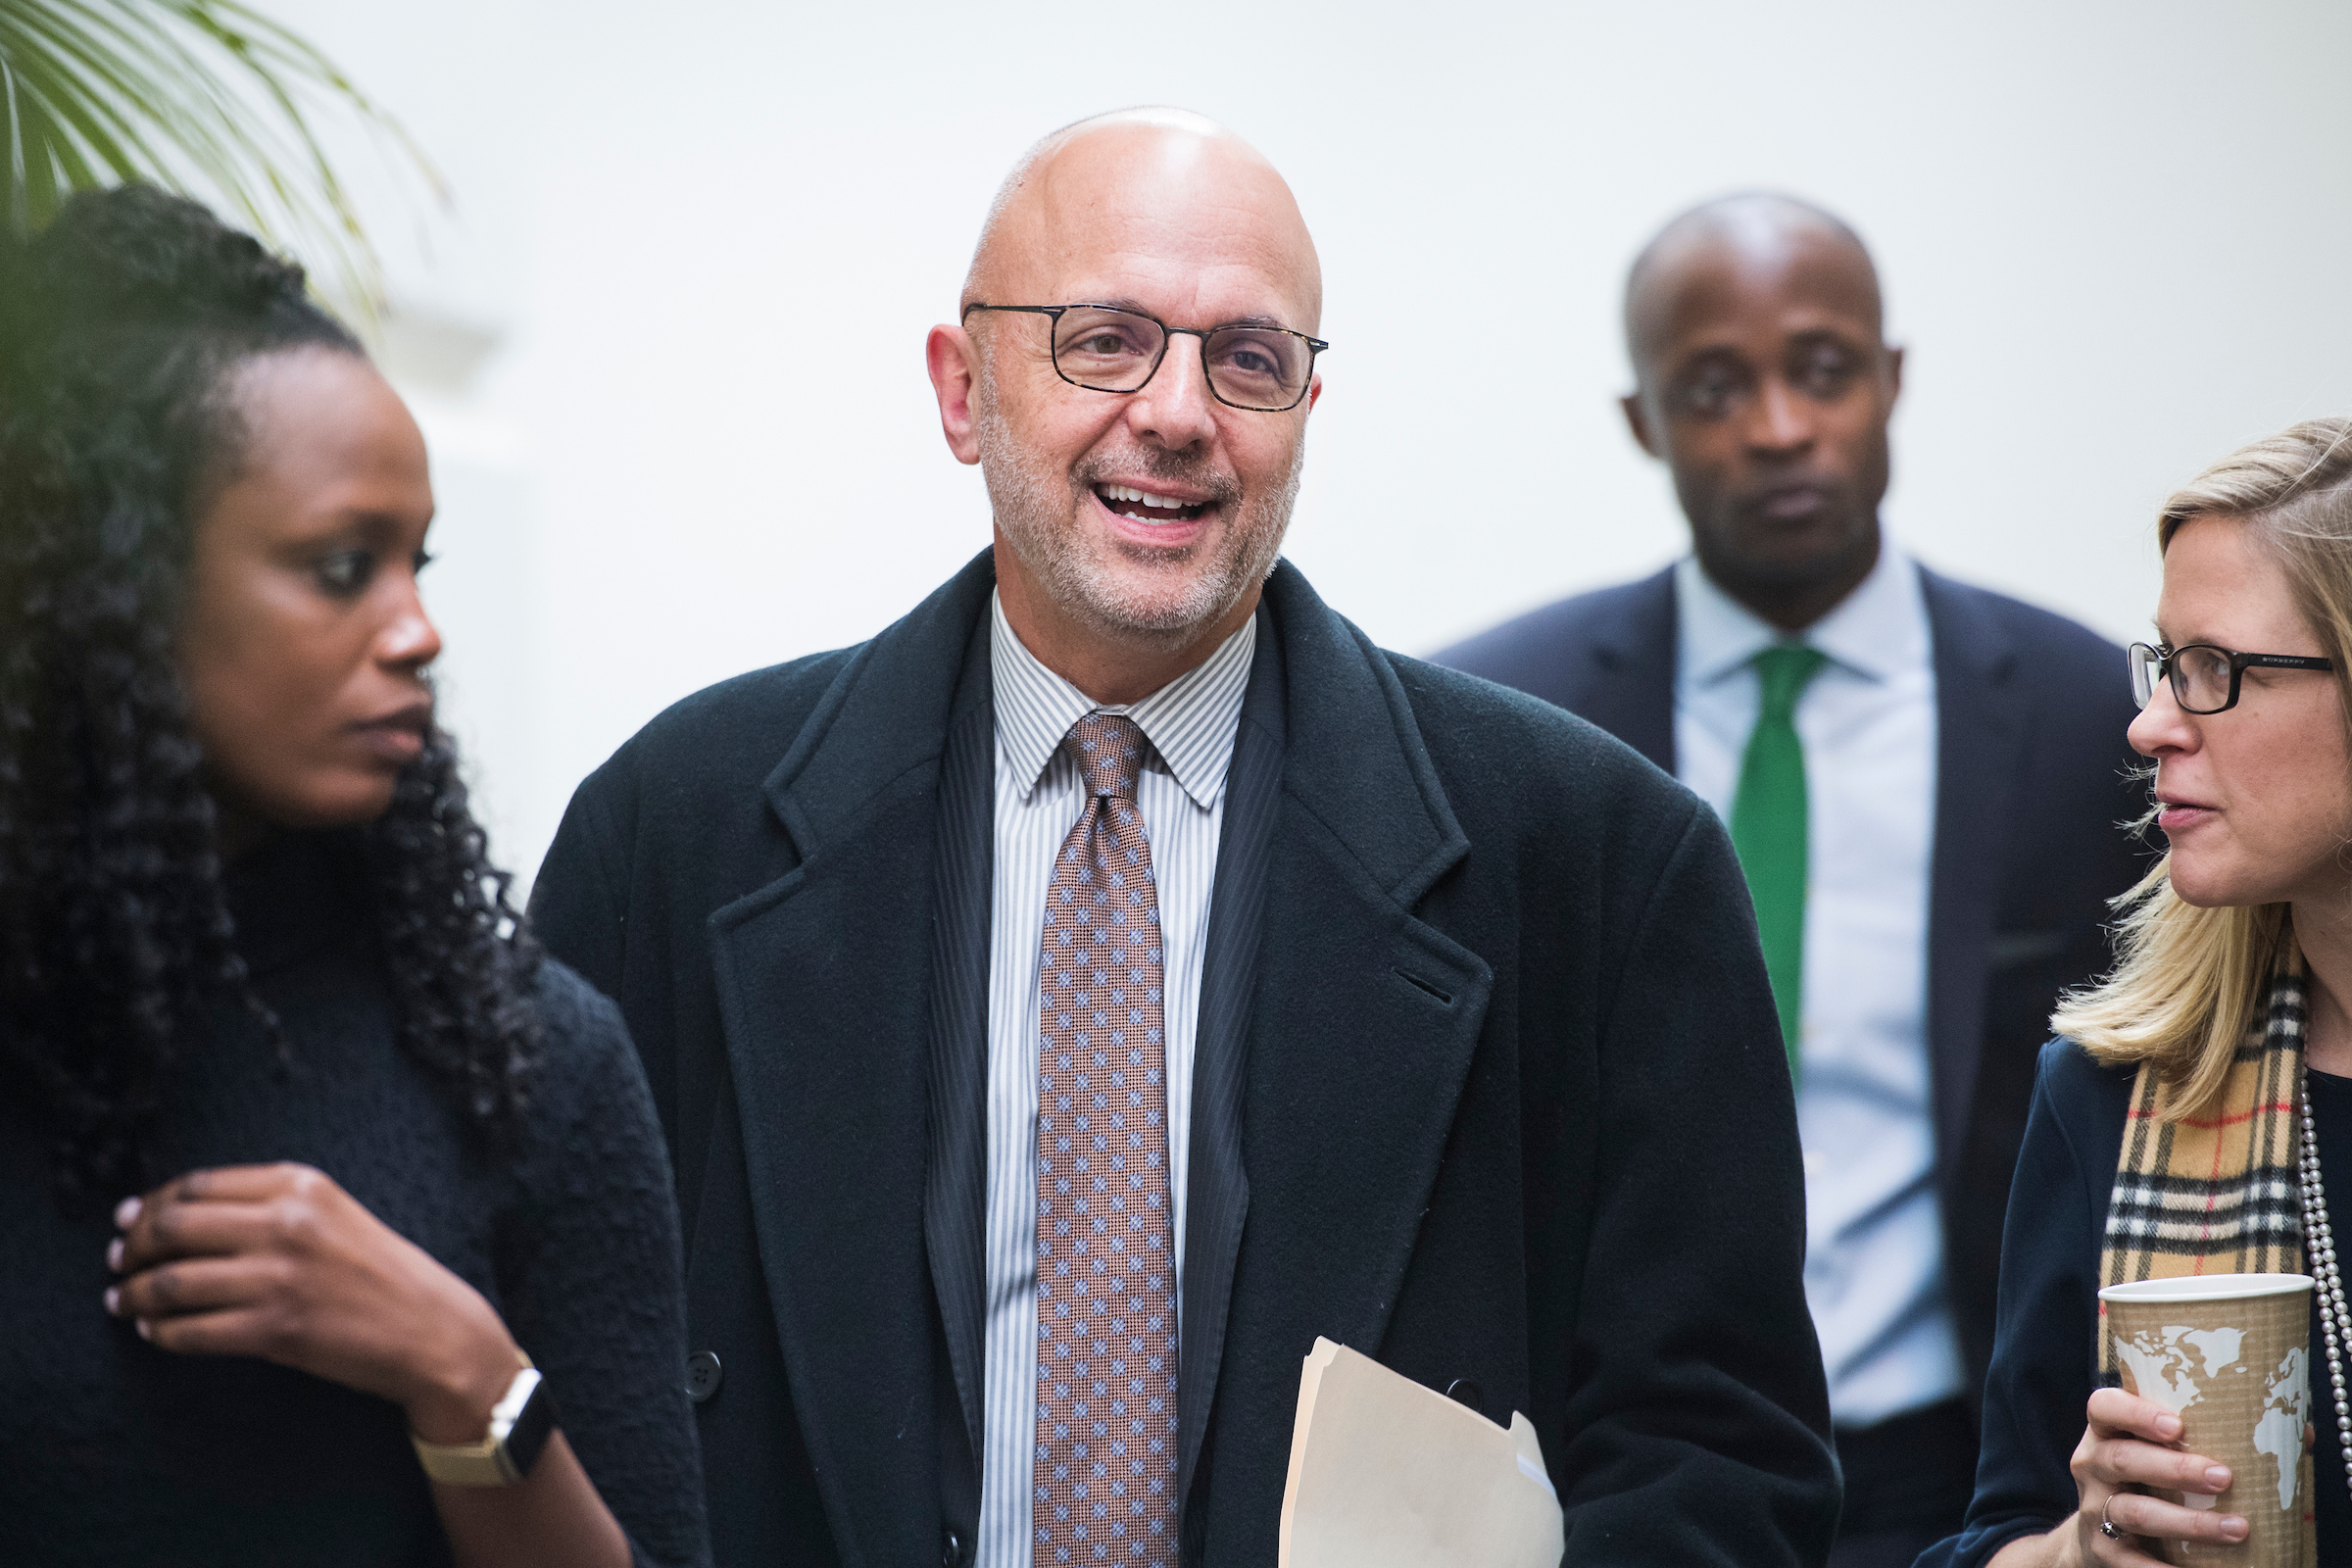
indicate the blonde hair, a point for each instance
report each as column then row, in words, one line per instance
column 2188, row 982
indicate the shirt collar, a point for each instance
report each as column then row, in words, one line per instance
column 1191, row 721
column 1878, row 630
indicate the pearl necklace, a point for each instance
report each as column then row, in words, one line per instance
column 2319, row 1250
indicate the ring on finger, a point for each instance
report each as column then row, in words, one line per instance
column 2108, row 1527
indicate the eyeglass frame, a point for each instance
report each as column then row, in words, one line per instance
column 1315, row 347
column 2239, row 663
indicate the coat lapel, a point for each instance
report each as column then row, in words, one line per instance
column 1364, row 1021
column 822, row 981
column 1217, row 1185
column 955, row 1182
column 1978, row 734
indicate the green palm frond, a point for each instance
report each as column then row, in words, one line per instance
column 208, row 97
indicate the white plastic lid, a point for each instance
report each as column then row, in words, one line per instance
column 2207, row 1288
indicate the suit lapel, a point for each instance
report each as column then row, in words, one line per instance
column 1364, row 1018
column 1630, row 692
column 1978, row 735
column 822, row 979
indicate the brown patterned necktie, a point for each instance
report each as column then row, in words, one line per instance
column 1104, row 1489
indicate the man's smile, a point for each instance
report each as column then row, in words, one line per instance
column 1149, row 506
column 1165, row 516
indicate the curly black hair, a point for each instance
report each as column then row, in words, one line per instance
column 121, row 324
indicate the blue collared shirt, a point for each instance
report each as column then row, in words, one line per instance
column 1874, row 1264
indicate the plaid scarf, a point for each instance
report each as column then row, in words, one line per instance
column 2217, row 1193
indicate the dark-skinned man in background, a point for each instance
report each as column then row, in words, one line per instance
column 1922, row 780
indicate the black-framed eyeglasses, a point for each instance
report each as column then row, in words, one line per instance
column 2204, row 678
column 1107, row 348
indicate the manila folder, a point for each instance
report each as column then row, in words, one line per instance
column 1387, row 1474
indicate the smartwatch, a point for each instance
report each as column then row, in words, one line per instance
column 521, row 1424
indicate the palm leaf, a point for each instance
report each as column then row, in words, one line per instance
column 208, row 97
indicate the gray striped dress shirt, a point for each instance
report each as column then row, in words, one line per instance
column 1191, row 724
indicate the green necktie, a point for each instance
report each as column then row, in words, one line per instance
column 1768, row 828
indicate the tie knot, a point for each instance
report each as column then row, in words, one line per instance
column 1111, row 753
column 1782, row 672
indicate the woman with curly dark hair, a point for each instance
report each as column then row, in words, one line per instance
column 335, row 1223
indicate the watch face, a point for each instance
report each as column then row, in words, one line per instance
column 533, row 1425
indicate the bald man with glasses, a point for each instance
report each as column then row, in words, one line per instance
column 1067, row 1005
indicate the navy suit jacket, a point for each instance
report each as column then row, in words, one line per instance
column 2033, row 777
column 1487, row 1085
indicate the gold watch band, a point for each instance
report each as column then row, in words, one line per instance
column 485, row 1463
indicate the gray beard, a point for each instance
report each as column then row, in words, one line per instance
column 1035, row 512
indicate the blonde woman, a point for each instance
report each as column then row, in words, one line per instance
column 2223, row 1037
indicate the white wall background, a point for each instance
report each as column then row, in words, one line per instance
column 705, row 240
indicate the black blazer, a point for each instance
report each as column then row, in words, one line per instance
column 2047, row 1361
column 2031, row 784
column 1487, row 1086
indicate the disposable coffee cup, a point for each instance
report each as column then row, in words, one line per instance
column 2230, row 1355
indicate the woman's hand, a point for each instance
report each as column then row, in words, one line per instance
column 2128, row 1444
column 278, row 1261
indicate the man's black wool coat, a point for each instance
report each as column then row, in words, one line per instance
column 1489, row 1086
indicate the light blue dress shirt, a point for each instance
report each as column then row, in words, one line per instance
column 1192, row 724
column 1874, row 1264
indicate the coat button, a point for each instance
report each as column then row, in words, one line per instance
column 950, row 1550
column 1462, row 1391
column 703, row 1376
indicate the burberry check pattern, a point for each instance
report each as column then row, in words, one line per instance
column 2216, row 1193
column 1105, row 1446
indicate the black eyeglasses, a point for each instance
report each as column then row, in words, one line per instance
column 1104, row 348
column 2205, row 678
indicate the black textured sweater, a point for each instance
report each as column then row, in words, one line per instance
column 111, row 1451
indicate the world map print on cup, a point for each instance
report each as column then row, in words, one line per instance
column 2230, row 1355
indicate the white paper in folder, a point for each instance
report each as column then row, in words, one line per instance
column 1387, row 1474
